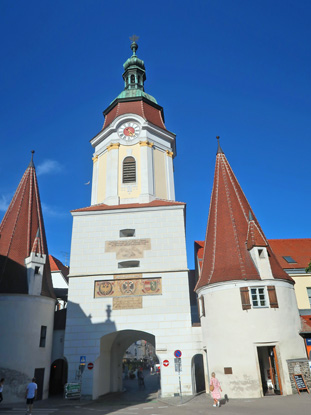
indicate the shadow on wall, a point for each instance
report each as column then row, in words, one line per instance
column 107, row 373
column 77, row 318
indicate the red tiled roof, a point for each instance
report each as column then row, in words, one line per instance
column 199, row 248
column 57, row 265
column 139, row 107
column 226, row 256
column 298, row 249
column 154, row 203
column 305, row 324
column 22, row 232
column 254, row 236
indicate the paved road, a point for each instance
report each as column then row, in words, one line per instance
column 137, row 401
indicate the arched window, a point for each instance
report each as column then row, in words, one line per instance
column 129, row 170
column 132, row 79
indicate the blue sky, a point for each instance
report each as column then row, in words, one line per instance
column 239, row 69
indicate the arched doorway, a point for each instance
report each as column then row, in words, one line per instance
column 58, row 376
column 108, row 367
column 198, row 379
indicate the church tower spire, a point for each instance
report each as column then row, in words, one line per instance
column 133, row 157
column 134, row 69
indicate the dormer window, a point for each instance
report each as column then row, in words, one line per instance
column 129, row 170
column 261, row 253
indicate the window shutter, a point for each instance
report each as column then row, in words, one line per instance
column 246, row 305
column 272, row 296
column 129, row 170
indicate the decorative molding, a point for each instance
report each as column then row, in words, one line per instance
column 169, row 153
column 95, row 159
column 146, row 143
column 113, row 146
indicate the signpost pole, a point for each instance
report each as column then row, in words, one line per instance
column 180, row 393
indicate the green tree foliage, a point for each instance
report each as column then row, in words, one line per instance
column 308, row 269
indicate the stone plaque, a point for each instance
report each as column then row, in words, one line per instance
column 129, row 248
column 124, row 303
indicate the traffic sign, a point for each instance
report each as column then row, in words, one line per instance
column 82, row 360
column 177, row 362
column 166, row 363
column 177, row 353
column 90, row 365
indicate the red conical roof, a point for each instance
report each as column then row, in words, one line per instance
column 232, row 230
column 22, row 232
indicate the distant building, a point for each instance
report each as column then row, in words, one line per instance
column 294, row 255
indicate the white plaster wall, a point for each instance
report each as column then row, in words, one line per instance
column 165, row 316
column 21, row 318
column 232, row 335
column 58, row 280
column 164, row 226
column 58, row 345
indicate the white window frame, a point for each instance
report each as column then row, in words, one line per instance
column 309, row 295
column 257, row 298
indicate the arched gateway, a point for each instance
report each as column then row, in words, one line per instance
column 108, row 370
column 128, row 268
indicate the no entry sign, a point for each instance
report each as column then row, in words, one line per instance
column 90, row 366
column 166, row 363
column 177, row 353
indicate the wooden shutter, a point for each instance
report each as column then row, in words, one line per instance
column 246, row 305
column 272, row 296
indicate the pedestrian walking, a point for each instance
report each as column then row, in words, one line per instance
column 1, row 389
column 31, row 394
column 215, row 389
column 140, row 377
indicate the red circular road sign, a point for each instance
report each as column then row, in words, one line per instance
column 166, row 363
column 90, row 366
column 177, row 353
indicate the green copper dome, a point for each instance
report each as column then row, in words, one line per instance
column 134, row 76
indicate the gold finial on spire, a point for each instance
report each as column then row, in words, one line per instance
column 134, row 45
column 134, row 38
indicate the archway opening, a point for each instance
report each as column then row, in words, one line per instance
column 58, row 376
column 198, row 378
column 122, row 355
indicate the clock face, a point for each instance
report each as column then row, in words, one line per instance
column 128, row 131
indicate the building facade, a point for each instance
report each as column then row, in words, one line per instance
column 129, row 279
column 128, row 270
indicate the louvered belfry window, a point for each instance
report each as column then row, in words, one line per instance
column 129, row 170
